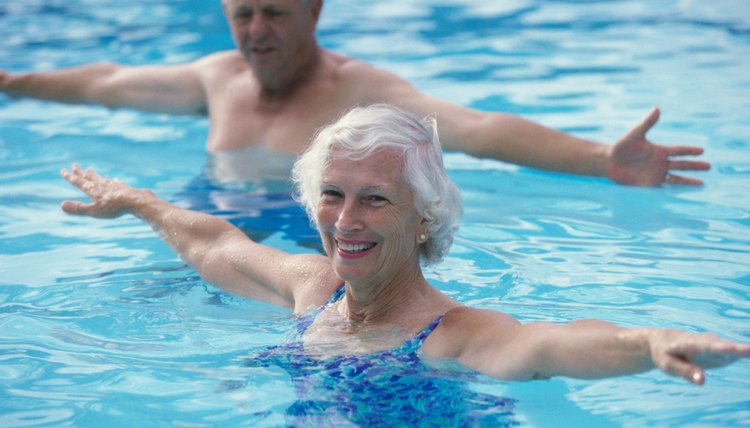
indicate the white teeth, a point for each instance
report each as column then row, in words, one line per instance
column 353, row 248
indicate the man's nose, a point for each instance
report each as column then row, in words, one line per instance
column 258, row 25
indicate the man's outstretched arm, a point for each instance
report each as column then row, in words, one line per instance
column 631, row 160
column 167, row 89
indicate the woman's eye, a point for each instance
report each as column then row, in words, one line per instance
column 330, row 194
column 376, row 199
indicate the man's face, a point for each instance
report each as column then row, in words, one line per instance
column 276, row 37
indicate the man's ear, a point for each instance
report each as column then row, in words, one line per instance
column 316, row 6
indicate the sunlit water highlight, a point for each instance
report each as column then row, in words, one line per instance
column 101, row 325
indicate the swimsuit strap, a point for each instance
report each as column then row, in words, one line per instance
column 337, row 295
column 305, row 321
column 422, row 335
column 417, row 339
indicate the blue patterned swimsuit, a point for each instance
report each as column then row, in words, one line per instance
column 387, row 388
column 407, row 351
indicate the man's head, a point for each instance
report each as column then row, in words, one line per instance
column 276, row 37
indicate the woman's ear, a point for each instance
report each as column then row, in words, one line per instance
column 423, row 232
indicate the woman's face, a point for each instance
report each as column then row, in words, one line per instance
column 367, row 218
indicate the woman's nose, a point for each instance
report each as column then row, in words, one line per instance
column 350, row 217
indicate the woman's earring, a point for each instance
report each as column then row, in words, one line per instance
column 422, row 238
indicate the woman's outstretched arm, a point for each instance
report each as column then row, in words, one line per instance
column 499, row 346
column 221, row 253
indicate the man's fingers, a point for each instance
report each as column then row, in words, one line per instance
column 688, row 165
column 683, row 150
column 682, row 180
column 647, row 123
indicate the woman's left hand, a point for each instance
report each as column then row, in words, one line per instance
column 687, row 354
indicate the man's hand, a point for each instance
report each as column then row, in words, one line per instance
column 4, row 77
column 636, row 161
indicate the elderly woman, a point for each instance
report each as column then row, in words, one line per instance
column 375, row 187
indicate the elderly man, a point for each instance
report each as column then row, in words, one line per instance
column 279, row 86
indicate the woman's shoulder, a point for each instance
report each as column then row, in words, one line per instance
column 465, row 317
column 462, row 326
column 315, row 281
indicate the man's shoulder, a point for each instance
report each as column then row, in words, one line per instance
column 221, row 67
column 355, row 71
column 348, row 65
column 222, row 59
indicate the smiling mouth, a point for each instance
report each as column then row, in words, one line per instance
column 354, row 248
column 262, row 50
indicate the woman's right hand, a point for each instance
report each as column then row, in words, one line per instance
column 109, row 198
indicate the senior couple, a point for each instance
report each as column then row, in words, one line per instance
column 374, row 185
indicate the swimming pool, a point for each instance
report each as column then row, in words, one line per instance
column 101, row 325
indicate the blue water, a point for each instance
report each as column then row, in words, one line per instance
column 101, row 325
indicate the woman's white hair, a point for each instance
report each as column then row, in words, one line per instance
column 364, row 130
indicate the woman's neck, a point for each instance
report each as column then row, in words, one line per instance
column 388, row 301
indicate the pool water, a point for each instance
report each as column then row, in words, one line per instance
column 101, row 325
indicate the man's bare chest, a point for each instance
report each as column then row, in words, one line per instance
column 287, row 136
column 240, row 121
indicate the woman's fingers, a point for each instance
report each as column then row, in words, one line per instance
column 680, row 367
column 107, row 196
column 75, row 208
column 688, row 355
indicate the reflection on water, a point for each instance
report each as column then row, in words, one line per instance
column 256, row 169
column 101, row 325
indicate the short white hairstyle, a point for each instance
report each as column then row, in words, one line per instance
column 365, row 130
